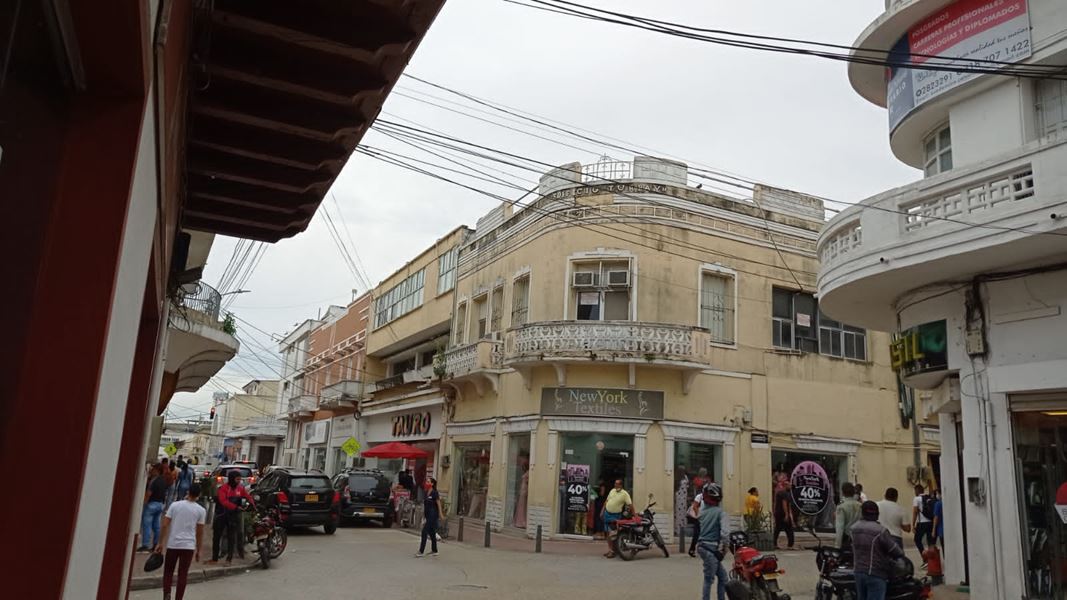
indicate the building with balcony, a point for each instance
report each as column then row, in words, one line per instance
column 628, row 325
column 967, row 265
column 410, row 317
column 325, row 410
column 246, row 427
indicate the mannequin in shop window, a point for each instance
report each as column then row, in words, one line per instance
column 681, row 497
column 519, row 518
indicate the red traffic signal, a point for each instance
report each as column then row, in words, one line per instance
column 212, row 413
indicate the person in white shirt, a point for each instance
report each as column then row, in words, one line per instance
column 922, row 517
column 183, row 530
column 892, row 516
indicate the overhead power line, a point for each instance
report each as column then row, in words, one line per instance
column 868, row 56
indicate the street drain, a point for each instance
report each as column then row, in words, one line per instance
column 467, row 586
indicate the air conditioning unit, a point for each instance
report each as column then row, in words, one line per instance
column 586, row 279
column 618, row 279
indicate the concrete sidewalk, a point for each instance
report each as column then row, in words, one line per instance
column 198, row 572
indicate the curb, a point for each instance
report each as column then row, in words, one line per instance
column 148, row 582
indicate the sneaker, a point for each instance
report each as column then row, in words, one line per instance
column 433, row 554
column 419, row 554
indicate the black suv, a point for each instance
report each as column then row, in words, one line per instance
column 303, row 498
column 365, row 495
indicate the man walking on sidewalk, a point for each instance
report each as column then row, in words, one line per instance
column 154, row 496
column 431, row 514
column 848, row 513
column 873, row 551
column 713, row 530
column 891, row 516
column 183, row 532
column 922, row 518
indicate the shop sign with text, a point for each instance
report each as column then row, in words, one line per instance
column 921, row 349
column 984, row 34
column 602, row 402
column 411, row 424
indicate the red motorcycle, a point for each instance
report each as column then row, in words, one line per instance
column 638, row 533
column 754, row 574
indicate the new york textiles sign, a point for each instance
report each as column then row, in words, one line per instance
column 968, row 32
column 602, row 402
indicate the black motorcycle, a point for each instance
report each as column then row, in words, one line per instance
column 638, row 533
column 837, row 581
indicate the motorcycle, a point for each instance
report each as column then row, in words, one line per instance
column 268, row 537
column 756, row 572
column 838, row 582
column 638, row 533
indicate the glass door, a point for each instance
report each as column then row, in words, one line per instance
column 592, row 461
column 473, row 479
column 1041, row 474
column 518, row 480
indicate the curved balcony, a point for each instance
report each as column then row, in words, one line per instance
column 302, row 406
column 198, row 343
column 1002, row 214
column 559, row 343
column 479, row 363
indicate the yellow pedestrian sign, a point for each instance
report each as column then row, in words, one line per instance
column 351, row 446
column 171, row 449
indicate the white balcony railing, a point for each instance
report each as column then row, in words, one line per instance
column 303, row 404
column 973, row 197
column 350, row 390
column 607, row 340
column 483, row 355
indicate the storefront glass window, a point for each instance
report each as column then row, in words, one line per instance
column 1041, row 455
column 701, row 463
column 473, row 476
column 607, row 457
column 318, row 459
column 339, row 460
column 518, row 480
column 836, row 467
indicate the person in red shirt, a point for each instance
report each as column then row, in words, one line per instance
column 227, row 517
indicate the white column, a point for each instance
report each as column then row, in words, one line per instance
column 553, row 448
column 728, row 460
column 952, row 501
column 533, row 448
column 668, row 455
column 639, row 452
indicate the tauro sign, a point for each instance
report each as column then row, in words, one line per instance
column 411, row 424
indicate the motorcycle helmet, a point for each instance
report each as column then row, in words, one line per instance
column 712, row 491
column 902, row 569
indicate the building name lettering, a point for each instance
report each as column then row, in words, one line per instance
column 610, row 188
column 411, row 424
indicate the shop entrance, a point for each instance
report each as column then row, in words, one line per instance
column 473, row 479
column 607, row 457
column 836, row 467
column 1041, row 472
column 518, row 490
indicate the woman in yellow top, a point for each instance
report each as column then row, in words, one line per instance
column 752, row 503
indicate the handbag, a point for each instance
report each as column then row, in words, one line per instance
column 155, row 561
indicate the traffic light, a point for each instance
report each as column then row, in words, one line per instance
column 212, row 413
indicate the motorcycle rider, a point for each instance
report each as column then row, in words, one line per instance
column 227, row 517
column 712, row 539
column 873, row 551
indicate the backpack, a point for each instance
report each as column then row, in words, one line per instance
column 927, row 505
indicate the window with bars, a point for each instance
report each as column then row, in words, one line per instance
column 937, row 151
column 460, row 330
column 446, row 271
column 496, row 309
column 481, row 315
column 793, row 320
column 520, row 301
column 1051, row 108
column 717, row 305
column 401, row 299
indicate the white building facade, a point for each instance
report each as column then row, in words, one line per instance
column 969, row 267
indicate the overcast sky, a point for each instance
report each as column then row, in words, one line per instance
column 788, row 121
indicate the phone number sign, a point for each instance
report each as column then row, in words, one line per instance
column 810, row 488
column 967, row 34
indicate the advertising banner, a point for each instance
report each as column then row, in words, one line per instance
column 967, row 30
column 602, row 402
column 577, row 488
column 811, row 488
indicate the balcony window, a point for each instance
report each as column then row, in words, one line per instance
column 460, row 330
column 496, row 309
column 446, row 270
column 1052, row 108
column 601, row 291
column 937, row 151
column 717, row 305
column 520, row 301
column 401, row 299
column 481, row 313
column 840, row 340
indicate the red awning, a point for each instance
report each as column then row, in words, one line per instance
column 394, row 450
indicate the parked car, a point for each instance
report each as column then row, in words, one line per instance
column 249, row 474
column 365, row 496
column 303, row 498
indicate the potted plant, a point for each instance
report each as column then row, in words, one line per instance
column 758, row 528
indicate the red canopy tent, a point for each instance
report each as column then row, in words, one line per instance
column 394, row 450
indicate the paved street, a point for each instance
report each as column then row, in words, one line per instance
column 369, row 562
